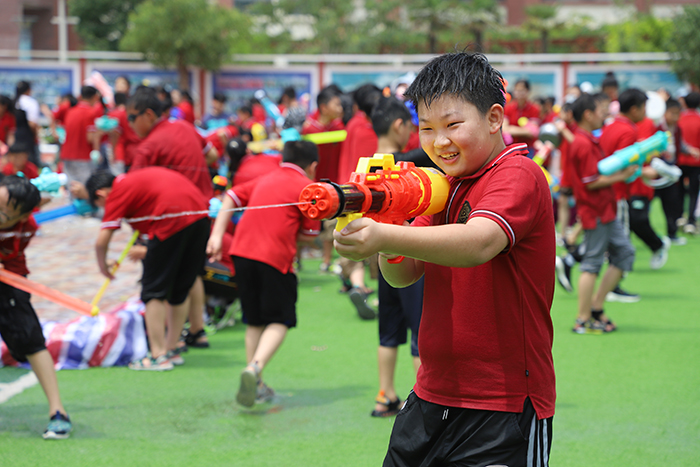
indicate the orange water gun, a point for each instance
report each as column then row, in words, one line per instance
column 379, row 189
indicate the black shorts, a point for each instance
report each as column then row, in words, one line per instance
column 399, row 310
column 428, row 434
column 19, row 325
column 267, row 296
column 172, row 265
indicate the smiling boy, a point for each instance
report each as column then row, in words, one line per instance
column 485, row 390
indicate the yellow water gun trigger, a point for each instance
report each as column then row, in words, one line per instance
column 346, row 219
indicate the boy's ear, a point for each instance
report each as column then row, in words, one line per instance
column 396, row 125
column 494, row 117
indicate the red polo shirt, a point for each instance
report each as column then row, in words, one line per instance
column 270, row 235
column 690, row 127
column 486, row 334
column 175, row 145
column 253, row 166
column 592, row 205
column 328, row 154
column 7, row 125
column 13, row 242
column 360, row 142
column 514, row 113
column 128, row 139
column 59, row 115
column 564, row 147
column 152, row 192
column 619, row 134
column 29, row 170
column 79, row 121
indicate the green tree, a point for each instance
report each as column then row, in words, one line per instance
column 102, row 22
column 685, row 44
column 542, row 18
column 184, row 33
column 643, row 33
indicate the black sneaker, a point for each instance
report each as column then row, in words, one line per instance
column 59, row 427
column 359, row 299
column 564, row 274
column 622, row 296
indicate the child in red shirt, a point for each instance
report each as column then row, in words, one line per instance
column 485, row 341
column 19, row 325
column 18, row 161
column 146, row 199
column 263, row 249
column 689, row 161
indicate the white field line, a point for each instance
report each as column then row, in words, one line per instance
column 9, row 390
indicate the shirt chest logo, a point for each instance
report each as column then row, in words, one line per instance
column 464, row 213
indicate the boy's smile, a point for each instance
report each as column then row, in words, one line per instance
column 457, row 137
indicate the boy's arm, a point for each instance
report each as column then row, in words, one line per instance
column 604, row 181
column 101, row 247
column 217, row 234
column 452, row 245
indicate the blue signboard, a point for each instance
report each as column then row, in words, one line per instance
column 351, row 80
column 239, row 87
column 48, row 84
column 542, row 84
column 136, row 77
column 644, row 79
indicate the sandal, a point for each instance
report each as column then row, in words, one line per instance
column 392, row 407
column 192, row 340
column 250, row 381
column 152, row 364
column 606, row 324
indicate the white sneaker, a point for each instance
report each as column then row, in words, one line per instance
column 689, row 229
column 660, row 256
column 679, row 241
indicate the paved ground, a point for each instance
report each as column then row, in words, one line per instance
column 62, row 256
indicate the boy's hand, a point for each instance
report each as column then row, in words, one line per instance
column 137, row 252
column 627, row 172
column 214, row 248
column 360, row 239
column 105, row 270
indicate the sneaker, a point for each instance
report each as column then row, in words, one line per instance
column 324, row 268
column 152, row 364
column 681, row 221
column 264, row 394
column 563, row 271
column 689, row 229
column 247, row 392
column 175, row 357
column 622, row 296
column 59, row 427
column 660, row 256
column 588, row 327
column 679, row 241
column 359, row 299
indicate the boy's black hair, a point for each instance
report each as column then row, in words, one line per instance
column 631, row 97
column 186, row 96
column 6, row 102
column 550, row 99
column 245, row 108
column 468, row 76
column 301, row 153
column 22, row 87
column 325, row 96
column 524, row 82
column 71, row 99
column 19, row 147
column 120, row 98
column 147, row 98
column 366, row 97
column 386, row 112
column 671, row 103
column 290, row 92
column 609, row 81
column 220, row 97
column 583, row 103
column 236, row 149
column 567, row 107
column 88, row 92
column 692, row 100
column 601, row 97
column 98, row 180
column 23, row 195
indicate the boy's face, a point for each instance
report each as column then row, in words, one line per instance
column 9, row 215
column 597, row 117
column 403, row 133
column 456, row 136
column 217, row 107
column 332, row 109
column 141, row 122
column 638, row 113
column 521, row 93
column 672, row 116
column 102, row 195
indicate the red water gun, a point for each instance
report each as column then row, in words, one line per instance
column 379, row 189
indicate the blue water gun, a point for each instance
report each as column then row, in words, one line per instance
column 48, row 181
column 105, row 123
column 636, row 154
column 272, row 111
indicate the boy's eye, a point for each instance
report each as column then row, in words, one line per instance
column 451, row 124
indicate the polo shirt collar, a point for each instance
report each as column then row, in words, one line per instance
column 289, row 165
column 509, row 151
column 622, row 119
column 588, row 134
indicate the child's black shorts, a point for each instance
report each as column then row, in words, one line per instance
column 427, row 434
column 172, row 265
column 399, row 310
column 19, row 325
column 267, row 295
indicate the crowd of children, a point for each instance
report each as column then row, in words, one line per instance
column 153, row 169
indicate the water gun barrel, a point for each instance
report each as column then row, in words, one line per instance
column 638, row 154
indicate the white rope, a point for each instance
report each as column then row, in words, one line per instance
column 194, row 213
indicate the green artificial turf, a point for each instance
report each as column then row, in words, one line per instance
column 630, row 398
